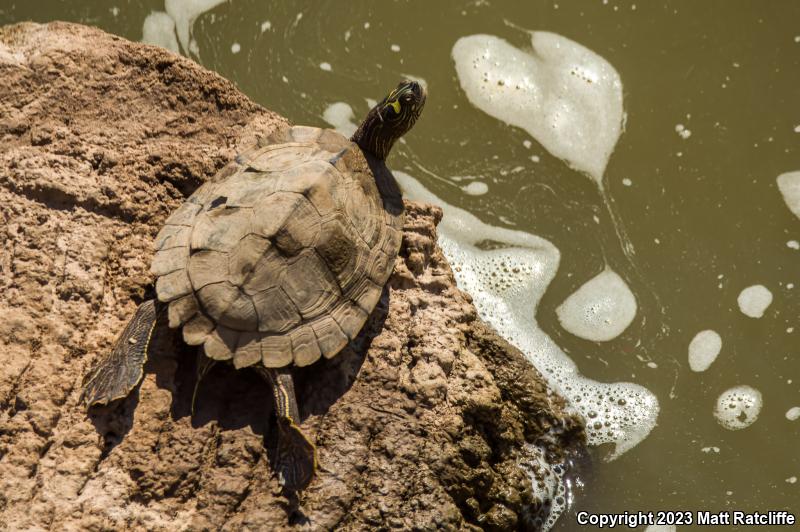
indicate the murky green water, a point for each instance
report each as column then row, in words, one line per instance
column 703, row 214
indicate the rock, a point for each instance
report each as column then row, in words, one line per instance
column 424, row 421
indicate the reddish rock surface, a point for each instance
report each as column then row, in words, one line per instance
column 422, row 422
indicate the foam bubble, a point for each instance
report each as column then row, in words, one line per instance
column 703, row 350
column 793, row 244
column 340, row 116
column 549, row 484
column 325, row 66
column 738, row 407
column 507, row 272
column 184, row 13
column 682, row 131
column 754, row 300
column 395, row 48
column 159, row 29
column 476, row 188
column 236, row 48
column 266, row 25
column 600, row 310
column 789, row 185
column 564, row 95
column 793, row 414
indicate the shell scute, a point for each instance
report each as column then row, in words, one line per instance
column 330, row 337
column 276, row 312
column 310, row 285
column 220, row 227
column 305, row 349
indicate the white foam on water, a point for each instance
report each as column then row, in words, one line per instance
column 791, row 480
column 550, row 485
column 793, row 414
column 325, row 66
column 600, row 310
column 738, row 407
column 754, row 300
column 564, row 95
column 395, row 48
column 793, row 244
column 184, row 13
column 236, row 48
column 789, row 185
column 704, row 349
column 159, row 29
column 506, row 279
column 476, row 188
column 266, row 25
column 627, row 182
column 340, row 116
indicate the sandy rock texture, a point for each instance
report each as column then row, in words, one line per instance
column 425, row 421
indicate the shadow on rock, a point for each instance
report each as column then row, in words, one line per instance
column 230, row 398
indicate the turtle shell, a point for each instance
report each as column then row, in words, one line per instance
column 282, row 256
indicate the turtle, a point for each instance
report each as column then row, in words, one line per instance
column 275, row 262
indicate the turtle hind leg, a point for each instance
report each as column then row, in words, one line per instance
column 121, row 370
column 296, row 457
column 204, row 365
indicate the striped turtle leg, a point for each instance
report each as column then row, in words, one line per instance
column 296, row 458
column 204, row 365
column 121, row 370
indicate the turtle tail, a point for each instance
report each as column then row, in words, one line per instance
column 121, row 370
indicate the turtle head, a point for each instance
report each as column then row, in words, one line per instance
column 390, row 119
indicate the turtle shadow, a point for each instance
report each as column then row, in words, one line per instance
column 114, row 420
column 235, row 399
column 321, row 385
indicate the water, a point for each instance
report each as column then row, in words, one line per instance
column 689, row 213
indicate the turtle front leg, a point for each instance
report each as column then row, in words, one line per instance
column 296, row 459
column 121, row 370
